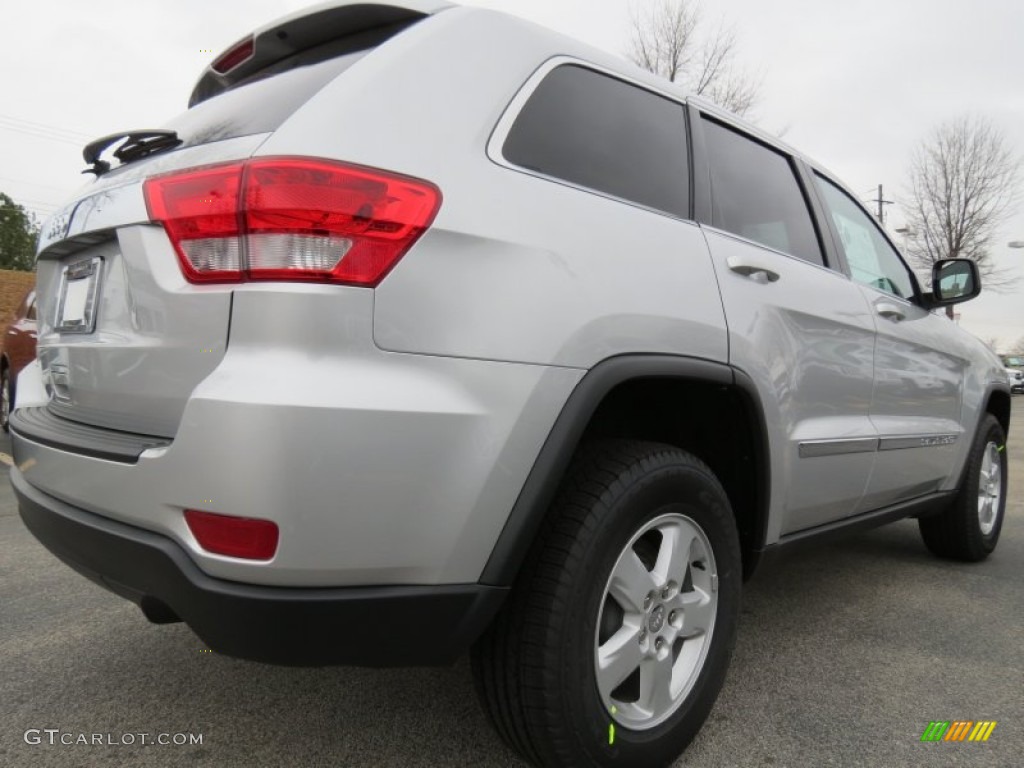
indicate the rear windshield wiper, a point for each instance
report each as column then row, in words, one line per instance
column 137, row 144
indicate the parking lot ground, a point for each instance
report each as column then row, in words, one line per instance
column 845, row 654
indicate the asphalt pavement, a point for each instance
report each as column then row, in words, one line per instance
column 846, row 653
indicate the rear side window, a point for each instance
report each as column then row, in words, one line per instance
column 756, row 194
column 602, row 133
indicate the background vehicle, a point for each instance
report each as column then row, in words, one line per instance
column 1015, row 370
column 357, row 379
column 18, row 350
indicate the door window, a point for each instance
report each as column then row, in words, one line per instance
column 873, row 262
column 756, row 194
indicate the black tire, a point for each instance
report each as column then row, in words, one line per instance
column 957, row 532
column 7, row 392
column 535, row 667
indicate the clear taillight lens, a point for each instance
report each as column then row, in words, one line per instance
column 290, row 219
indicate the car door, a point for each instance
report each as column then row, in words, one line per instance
column 799, row 329
column 919, row 365
column 20, row 339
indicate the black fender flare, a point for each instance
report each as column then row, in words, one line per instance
column 542, row 483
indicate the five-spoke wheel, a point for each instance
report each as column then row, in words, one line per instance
column 657, row 620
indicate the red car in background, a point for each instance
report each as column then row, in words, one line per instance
column 18, row 350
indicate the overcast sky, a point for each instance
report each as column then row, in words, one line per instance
column 855, row 85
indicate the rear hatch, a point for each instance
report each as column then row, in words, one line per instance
column 124, row 337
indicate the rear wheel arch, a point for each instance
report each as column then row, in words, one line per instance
column 968, row 528
column 614, row 643
column 706, row 408
column 998, row 404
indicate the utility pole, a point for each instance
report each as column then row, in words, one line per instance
column 881, row 202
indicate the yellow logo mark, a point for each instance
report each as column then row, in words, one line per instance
column 958, row 730
column 982, row 730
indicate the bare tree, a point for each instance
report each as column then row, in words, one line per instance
column 1018, row 348
column 992, row 342
column 963, row 185
column 668, row 39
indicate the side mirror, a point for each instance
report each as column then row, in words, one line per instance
column 954, row 281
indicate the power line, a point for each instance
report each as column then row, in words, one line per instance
column 31, row 213
column 36, row 206
column 34, row 184
column 44, row 203
column 43, row 131
column 73, row 142
column 32, row 125
column 27, row 213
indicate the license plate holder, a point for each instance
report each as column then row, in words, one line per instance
column 79, row 286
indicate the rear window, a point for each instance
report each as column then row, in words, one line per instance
column 259, row 106
column 607, row 135
column 261, row 102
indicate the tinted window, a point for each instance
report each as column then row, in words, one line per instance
column 871, row 259
column 607, row 135
column 756, row 194
column 259, row 106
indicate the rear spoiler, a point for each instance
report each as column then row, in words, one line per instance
column 300, row 32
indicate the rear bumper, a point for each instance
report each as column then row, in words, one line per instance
column 378, row 468
column 371, row 626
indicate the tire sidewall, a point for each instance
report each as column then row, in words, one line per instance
column 651, row 495
column 992, row 432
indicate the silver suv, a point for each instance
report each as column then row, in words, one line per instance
column 426, row 330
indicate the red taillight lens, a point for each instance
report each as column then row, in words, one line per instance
column 243, row 537
column 199, row 210
column 290, row 219
column 232, row 57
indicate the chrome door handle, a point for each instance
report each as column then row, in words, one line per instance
column 755, row 272
column 890, row 311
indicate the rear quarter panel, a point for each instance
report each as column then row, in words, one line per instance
column 515, row 267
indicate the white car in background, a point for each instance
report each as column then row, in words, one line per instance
column 1015, row 370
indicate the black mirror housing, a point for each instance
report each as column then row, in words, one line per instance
column 953, row 281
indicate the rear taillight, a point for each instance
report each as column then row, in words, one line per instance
column 245, row 537
column 290, row 219
column 240, row 52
